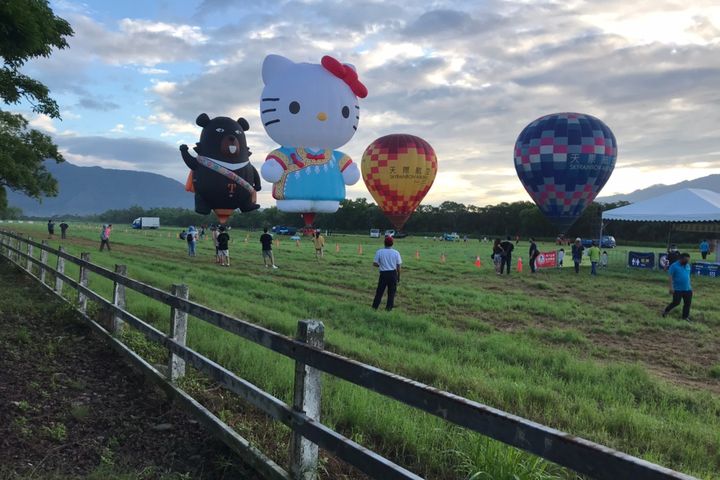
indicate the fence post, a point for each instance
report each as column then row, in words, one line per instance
column 43, row 260
column 60, row 269
column 29, row 264
column 306, row 398
column 83, row 280
column 178, row 332
column 116, row 322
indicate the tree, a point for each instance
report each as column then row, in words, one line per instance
column 28, row 29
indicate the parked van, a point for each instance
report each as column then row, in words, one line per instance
column 375, row 233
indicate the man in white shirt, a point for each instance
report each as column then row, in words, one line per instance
column 388, row 262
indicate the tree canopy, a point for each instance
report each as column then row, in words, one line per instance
column 28, row 29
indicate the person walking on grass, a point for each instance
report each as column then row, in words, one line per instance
column 594, row 254
column 266, row 240
column 51, row 228
column 497, row 256
column 507, row 247
column 191, row 240
column 319, row 242
column 704, row 249
column 577, row 252
column 604, row 259
column 533, row 254
column 560, row 257
column 388, row 261
column 63, row 230
column 105, row 237
column 680, row 289
column 223, row 253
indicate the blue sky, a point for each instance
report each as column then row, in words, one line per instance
column 465, row 75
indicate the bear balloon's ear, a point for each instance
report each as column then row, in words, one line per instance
column 243, row 124
column 273, row 66
column 202, row 120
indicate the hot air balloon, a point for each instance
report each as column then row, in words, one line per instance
column 563, row 161
column 399, row 170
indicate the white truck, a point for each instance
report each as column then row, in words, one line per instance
column 146, row 222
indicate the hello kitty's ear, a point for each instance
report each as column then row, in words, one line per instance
column 243, row 124
column 202, row 120
column 273, row 66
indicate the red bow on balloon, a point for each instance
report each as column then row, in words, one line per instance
column 346, row 74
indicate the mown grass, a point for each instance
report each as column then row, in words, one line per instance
column 586, row 355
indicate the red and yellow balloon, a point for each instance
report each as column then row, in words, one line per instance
column 399, row 170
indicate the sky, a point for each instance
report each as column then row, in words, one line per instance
column 466, row 76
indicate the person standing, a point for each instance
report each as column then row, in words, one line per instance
column 594, row 254
column 704, row 249
column 533, row 254
column 680, row 289
column 319, row 242
column 560, row 257
column 63, row 230
column 577, row 252
column 604, row 259
column 215, row 233
column 51, row 228
column 388, row 261
column 673, row 255
column 497, row 256
column 266, row 240
column 191, row 240
column 223, row 252
column 507, row 247
column 105, row 237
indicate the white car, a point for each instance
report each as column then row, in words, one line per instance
column 389, row 233
column 375, row 233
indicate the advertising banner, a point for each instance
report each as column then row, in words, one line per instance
column 546, row 260
column 645, row 260
column 706, row 269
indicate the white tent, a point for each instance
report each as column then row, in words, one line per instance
column 687, row 205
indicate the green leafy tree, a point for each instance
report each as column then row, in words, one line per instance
column 28, row 29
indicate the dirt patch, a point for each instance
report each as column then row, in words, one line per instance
column 69, row 406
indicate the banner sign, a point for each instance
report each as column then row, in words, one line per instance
column 546, row 260
column 706, row 269
column 644, row 260
column 663, row 262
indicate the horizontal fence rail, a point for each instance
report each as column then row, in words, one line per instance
column 577, row 454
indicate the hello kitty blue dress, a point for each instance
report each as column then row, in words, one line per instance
column 308, row 174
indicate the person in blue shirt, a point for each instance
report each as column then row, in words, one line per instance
column 680, row 288
column 704, row 249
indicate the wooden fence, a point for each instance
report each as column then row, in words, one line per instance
column 303, row 416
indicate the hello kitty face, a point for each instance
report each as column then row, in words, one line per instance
column 305, row 105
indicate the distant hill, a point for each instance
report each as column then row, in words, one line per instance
column 710, row 182
column 89, row 190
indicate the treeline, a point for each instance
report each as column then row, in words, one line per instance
column 358, row 216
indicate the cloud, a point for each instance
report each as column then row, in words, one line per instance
column 96, row 104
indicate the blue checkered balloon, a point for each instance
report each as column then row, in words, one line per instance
column 563, row 161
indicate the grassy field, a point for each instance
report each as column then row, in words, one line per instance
column 590, row 356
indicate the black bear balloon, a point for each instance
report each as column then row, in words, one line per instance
column 221, row 175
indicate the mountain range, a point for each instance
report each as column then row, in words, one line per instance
column 708, row 182
column 90, row 190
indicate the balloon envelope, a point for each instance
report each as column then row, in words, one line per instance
column 399, row 170
column 563, row 161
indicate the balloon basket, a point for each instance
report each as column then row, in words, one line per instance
column 223, row 214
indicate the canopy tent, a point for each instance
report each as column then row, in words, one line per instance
column 691, row 207
column 687, row 205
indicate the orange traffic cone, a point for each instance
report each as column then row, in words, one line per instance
column 478, row 263
column 442, row 258
column 417, row 254
column 337, row 248
column 246, row 238
column 519, row 265
column 277, row 242
column 359, row 249
column 297, row 243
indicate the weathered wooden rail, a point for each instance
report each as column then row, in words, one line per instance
column 303, row 416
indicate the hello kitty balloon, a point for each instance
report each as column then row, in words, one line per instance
column 310, row 110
